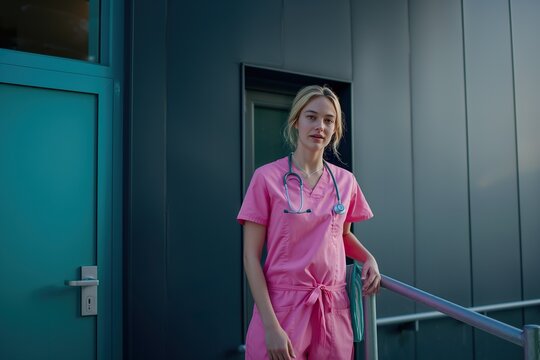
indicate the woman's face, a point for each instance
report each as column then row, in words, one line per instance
column 316, row 124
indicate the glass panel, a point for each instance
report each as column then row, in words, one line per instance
column 52, row 27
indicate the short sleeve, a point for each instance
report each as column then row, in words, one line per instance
column 359, row 209
column 256, row 204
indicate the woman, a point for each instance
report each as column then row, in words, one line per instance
column 303, row 207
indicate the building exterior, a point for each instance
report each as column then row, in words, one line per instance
column 137, row 147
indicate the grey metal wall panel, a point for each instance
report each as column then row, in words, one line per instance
column 204, row 262
column 317, row 37
column 440, row 150
column 146, row 282
column 440, row 170
column 525, row 30
column 382, row 153
column 487, row 346
column 444, row 339
column 531, row 315
column 261, row 32
column 382, row 139
column 396, row 342
column 492, row 153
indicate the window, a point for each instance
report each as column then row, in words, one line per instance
column 67, row 29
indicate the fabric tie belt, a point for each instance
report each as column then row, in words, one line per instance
column 319, row 295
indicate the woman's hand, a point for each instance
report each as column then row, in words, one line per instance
column 279, row 345
column 371, row 278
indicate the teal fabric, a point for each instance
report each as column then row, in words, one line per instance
column 354, row 290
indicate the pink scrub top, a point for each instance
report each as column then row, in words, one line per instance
column 303, row 250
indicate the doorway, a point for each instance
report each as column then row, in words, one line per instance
column 268, row 95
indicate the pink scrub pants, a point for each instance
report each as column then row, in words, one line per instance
column 316, row 319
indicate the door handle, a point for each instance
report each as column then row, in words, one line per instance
column 84, row 282
column 88, row 285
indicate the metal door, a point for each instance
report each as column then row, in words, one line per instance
column 55, row 214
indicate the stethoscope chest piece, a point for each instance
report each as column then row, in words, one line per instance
column 339, row 209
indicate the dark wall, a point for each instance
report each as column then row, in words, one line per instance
column 526, row 55
column 441, row 121
column 445, row 111
column 204, row 181
column 383, row 154
column 146, row 247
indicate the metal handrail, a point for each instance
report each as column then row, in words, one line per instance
column 393, row 320
column 528, row 338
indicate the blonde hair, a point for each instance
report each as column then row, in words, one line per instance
column 303, row 97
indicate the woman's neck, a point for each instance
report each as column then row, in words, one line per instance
column 308, row 161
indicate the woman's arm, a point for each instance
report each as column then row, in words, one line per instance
column 277, row 341
column 370, row 270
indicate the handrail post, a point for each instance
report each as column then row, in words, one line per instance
column 370, row 327
column 531, row 342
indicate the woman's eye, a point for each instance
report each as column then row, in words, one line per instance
column 329, row 121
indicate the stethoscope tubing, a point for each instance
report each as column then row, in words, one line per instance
column 339, row 208
column 295, row 175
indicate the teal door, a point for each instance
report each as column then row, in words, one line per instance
column 55, row 213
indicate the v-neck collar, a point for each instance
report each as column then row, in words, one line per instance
column 318, row 190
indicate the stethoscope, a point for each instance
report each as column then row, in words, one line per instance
column 338, row 209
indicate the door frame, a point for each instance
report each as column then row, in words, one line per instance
column 261, row 85
column 108, row 242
